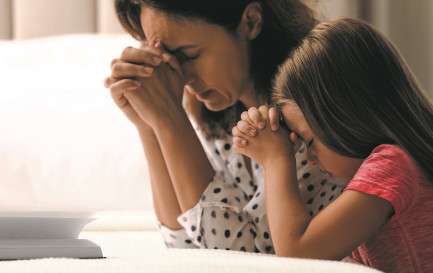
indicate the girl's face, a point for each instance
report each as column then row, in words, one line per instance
column 330, row 162
column 214, row 62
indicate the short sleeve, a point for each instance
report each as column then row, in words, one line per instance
column 389, row 173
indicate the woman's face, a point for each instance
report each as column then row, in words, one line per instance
column 214, row 62
column 330, row 162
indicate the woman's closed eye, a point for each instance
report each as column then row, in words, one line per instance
column 182, row 57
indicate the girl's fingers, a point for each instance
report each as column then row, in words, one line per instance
column 297, row 143
column 274, row 119
column 256, row 117
column 246, row 128
column 240, row 142
column 245, row 117
column 128, row 70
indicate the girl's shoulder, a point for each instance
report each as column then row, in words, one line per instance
column 390, row 173
column 390, row 158
column 390, row 150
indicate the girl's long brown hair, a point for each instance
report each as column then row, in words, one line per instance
column 357, row 92
column 285, row 23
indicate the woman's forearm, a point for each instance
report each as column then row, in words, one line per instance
column 186, row 160
column 165, row 201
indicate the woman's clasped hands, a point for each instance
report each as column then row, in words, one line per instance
column 260, row 136
column 147, row 84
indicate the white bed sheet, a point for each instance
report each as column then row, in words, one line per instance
column 143, row 251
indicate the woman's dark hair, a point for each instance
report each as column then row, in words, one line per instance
column 285, row 23
column 357, row 92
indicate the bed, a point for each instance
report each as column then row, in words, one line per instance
column 64, row 146
column 131, row 244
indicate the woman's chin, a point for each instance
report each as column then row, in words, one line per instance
column 215, row 107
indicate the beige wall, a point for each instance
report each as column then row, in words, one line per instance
column 5, row 19
column 409, row 25
column 24, row 19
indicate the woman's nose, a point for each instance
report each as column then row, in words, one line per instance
column 189, row 74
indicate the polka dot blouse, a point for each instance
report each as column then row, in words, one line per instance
column 231, row 212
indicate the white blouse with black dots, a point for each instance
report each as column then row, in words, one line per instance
column 231, row 212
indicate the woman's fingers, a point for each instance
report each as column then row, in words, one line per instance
column 137, row 62
column 146, row 54
column 117, row 89
column 125, row 84
column 128, row 70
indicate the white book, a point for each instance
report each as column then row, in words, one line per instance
column 32, row 235
column 48, row 248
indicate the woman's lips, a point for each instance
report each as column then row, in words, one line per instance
column 203, row 95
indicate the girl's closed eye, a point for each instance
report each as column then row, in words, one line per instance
column 310, row 142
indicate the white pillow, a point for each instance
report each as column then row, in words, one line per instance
column 64, row 145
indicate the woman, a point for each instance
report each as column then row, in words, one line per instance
column 200, row 65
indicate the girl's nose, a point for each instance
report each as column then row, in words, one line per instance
column 311, row 158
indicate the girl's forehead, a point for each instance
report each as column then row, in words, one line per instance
column 294, row 118
column 290, row 108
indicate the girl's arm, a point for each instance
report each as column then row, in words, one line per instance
column 335, row 231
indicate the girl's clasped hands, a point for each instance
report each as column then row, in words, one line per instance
column 260, row 136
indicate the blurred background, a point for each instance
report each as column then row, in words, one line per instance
column 63, row 143
column 408, row 23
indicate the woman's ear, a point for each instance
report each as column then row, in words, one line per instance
column 252, row 20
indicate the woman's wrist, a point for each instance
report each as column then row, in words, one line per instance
column 175, row 121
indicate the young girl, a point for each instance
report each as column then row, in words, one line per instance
column 348, row 95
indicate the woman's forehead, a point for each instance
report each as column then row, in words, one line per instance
column 172, row 31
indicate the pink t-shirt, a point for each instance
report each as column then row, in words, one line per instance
column 405, row 242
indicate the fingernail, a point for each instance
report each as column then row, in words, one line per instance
column 148, row 70
column 156, row 60
column 243, row 142
column 261, row 124
column 252, row 132
column 133, row 85
column 166, row 57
